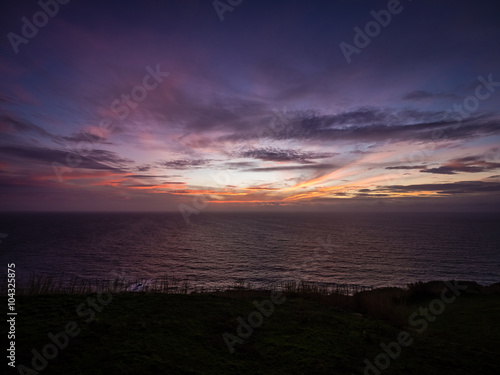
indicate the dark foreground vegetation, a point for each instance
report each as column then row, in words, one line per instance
column 304, row 329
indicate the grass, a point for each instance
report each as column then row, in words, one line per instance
column 315, row 331
column 70, row 284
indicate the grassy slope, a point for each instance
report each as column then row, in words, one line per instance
column 182, row 334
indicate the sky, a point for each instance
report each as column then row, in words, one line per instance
column 250, row 105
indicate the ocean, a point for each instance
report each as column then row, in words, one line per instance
column 220, row 249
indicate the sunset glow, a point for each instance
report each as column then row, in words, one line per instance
column 147, row 114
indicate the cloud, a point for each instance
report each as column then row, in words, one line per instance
column 21, row 125
column 363, row 115
column 260, row 188
column 407, row 167
column 291, row 167
column 374, row 125
column 152, row 176
column 111, row 157
column 143, row 168
column 372, row 195
column 461, row 187
column 16, row 124
column 451, row 170
column 419, row 95
column 46, row 155
column 84, row 136
column 238, row 165
column 468, row 164
column 184, row 163
column 154, row 185
column 280, row 155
